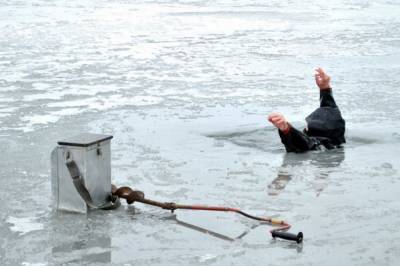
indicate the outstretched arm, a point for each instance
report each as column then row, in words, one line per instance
column 323, row 81
column 293, row 139
column 297, row 141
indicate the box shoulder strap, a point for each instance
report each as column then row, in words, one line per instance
column 77, row 179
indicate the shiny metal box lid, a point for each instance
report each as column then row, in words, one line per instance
column 85, row 140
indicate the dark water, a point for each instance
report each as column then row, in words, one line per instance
column 185, row 87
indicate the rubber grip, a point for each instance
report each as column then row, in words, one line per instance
column 288, row 236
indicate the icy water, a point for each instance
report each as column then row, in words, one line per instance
column 185, row 87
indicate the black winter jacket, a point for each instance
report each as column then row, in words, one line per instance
column 325, row 128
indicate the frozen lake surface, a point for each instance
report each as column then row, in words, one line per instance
column 185, row 88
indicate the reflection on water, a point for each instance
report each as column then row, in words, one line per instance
column 267, row 139
column 211, row 232
column 325, row 162
column 76, row 239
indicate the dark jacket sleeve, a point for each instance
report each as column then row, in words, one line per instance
column 326, row 98
column 297, row 141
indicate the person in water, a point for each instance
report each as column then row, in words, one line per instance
column 325, row 126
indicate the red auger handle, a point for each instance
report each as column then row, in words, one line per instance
column 288, row 236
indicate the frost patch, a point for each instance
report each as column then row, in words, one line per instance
column 24, row 225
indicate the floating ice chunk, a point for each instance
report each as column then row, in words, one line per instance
column 34, row 120
column 24, row 225
column 40, row 119
column 50, row 95
column 208, row 258
column 109, row 102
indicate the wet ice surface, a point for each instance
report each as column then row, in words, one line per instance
column 184, row 87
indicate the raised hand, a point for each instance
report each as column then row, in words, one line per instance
column 322, row 79
column 279, row 121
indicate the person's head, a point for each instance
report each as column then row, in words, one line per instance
column 326, row 122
